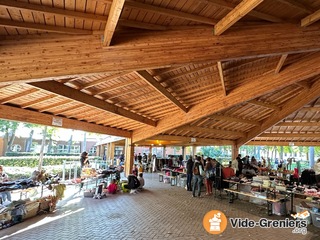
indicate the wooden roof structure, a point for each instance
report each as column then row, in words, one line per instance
column 179, row 72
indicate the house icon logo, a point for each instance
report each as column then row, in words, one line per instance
column 215, row 222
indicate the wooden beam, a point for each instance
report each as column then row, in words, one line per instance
column 187, row 140
column 62, row 90
column 116, row 86
column 311, row 109
column 290, row 135
column 298, row 124
column 253, row 13
column 219, row 64
column 210, row 130
column 162, row 90
column 312, row 18
column 18, row 95
column 85, row 56
column 251, row 89
column 113, row 18
column 51, row 10
column 42, row 27
column 263, row 104
column 303, row 98
column 235, row 15
column 23, row 115
column 281, row 62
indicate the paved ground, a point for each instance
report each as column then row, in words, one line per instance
column 161, row 211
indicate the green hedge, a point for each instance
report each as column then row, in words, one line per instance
column 33, row 161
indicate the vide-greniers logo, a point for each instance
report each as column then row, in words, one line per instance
column 215, row 222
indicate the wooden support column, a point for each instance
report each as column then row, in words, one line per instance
column 184, row 153
column 129, row 156
column 194, row 150
column 235, row 151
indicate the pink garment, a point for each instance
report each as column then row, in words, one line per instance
column 112, row 188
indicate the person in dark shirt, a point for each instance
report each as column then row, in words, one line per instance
column 189, row 173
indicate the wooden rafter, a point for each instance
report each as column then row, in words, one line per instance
column 289, row 107
column 52, row 10
column 23, row 115
column 281, row 63
column 312, row 18
column 37, row 101
column 54, row 105
column 298, row 124
column 235, row 15
column 253, row 13
column 210, row 130
column 219, row 64
column 62, row 90
column 113, row 18
column 85, row 55
column 263, row 104
column 42, row 27
column 311, row 109
column 290, row 135
column 283, row 143
column 188, row 140
column 157, row 86
column 251, row 89
column 15, row 96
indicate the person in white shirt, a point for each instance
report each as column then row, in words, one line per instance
column 141, row 180
column 316, row 168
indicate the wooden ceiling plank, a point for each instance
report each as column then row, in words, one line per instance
column 219, row 64
column 310, row 19
column 169, row 12
column 52, row 10
column 113, row 18
column 42, row 27
column 163, row 91
column 62, row 90
column 235, row 15
column 141, row 25
column 263, row 104
column 253, row 13
column 105, row 79
column 305, row 97
column 37, row 101
column 18, row 95
column 281, row 62
column 282, row 143
column 233, row 119
column 23, row 115
column 116, row 86
column 297, row 5
column 211, row 130
column 251, row 89
column 54, row 105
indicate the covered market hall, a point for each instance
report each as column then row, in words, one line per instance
column 170, row 72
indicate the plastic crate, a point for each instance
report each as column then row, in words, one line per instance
column 301, row 209
column 315, row 219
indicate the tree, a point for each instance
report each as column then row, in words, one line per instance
column 51, row 131
column 9, row 128
column 30, row 126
